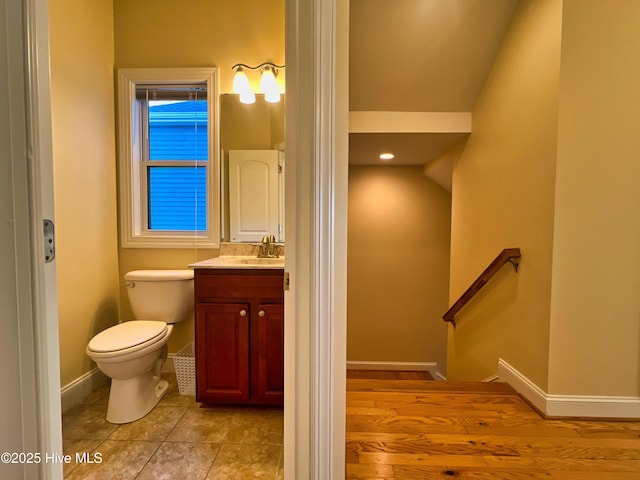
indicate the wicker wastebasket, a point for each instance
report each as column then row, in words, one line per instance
column 185, row 364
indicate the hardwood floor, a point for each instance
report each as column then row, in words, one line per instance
column 417, row 429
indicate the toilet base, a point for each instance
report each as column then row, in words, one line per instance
column 132, row 399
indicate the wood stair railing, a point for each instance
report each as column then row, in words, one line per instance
column 508, row 255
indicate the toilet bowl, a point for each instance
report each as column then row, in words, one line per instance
column 132, row 353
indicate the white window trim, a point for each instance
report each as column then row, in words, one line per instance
column 133, row 231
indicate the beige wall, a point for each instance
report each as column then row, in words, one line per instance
column 193, row 33
column 253, row 127
column 503, row 194
column 398, row 266
column 84, row 176
column 595, row 309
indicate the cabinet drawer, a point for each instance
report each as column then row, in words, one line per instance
column 239, row 286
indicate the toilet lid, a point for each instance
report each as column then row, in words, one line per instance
column 127, row 335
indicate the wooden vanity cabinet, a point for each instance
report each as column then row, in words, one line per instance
column 239, row 336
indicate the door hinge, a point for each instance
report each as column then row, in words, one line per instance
column 286, row 281
column 49, row 241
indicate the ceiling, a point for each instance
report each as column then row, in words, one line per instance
column 419, row 56
column 408, row 148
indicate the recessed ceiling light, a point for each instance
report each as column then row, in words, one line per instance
column 386, row 156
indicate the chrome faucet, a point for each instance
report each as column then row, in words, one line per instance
column 268, row 247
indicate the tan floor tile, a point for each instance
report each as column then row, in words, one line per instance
column 280, row 473
column 84, row 410
column 257, row 426
column 236, row 462
column 184, row 461
column 211, row 425
column 100, row 396
column 193, row 441
column 229, row 425
column 155, row 426
column 121, row 460
column 77, row 447
column 87, row 422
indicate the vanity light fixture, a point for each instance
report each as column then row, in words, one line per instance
column 241, row 86
column 268, row 84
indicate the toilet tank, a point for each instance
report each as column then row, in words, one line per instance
column 162, row 295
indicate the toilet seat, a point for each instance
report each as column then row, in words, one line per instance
column 127, row 337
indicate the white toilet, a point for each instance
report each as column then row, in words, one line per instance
column 132, row 353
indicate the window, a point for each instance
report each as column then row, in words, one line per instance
column 168, row 157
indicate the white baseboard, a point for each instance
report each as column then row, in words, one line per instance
column 431, row 367
column 73, row 393
column 492, row 378
column 596, row 407
column 438, row 376
column 525, row 387
column 569, row 405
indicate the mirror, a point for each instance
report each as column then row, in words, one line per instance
column 252, row 136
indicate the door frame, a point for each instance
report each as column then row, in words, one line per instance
column 45, row 298
column 41, row 348
column 317, row 170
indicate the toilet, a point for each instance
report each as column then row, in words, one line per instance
column 132, row 352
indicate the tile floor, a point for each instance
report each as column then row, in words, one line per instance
column 179, row 439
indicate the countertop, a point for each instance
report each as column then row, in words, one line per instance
column 240, row 262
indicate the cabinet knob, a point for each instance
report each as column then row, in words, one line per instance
column 243, row 313
column 261, row 313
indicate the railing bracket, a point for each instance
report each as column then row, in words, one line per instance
column 515, row 263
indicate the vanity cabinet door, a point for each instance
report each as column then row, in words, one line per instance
column 222, row 352
column 271, row 353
